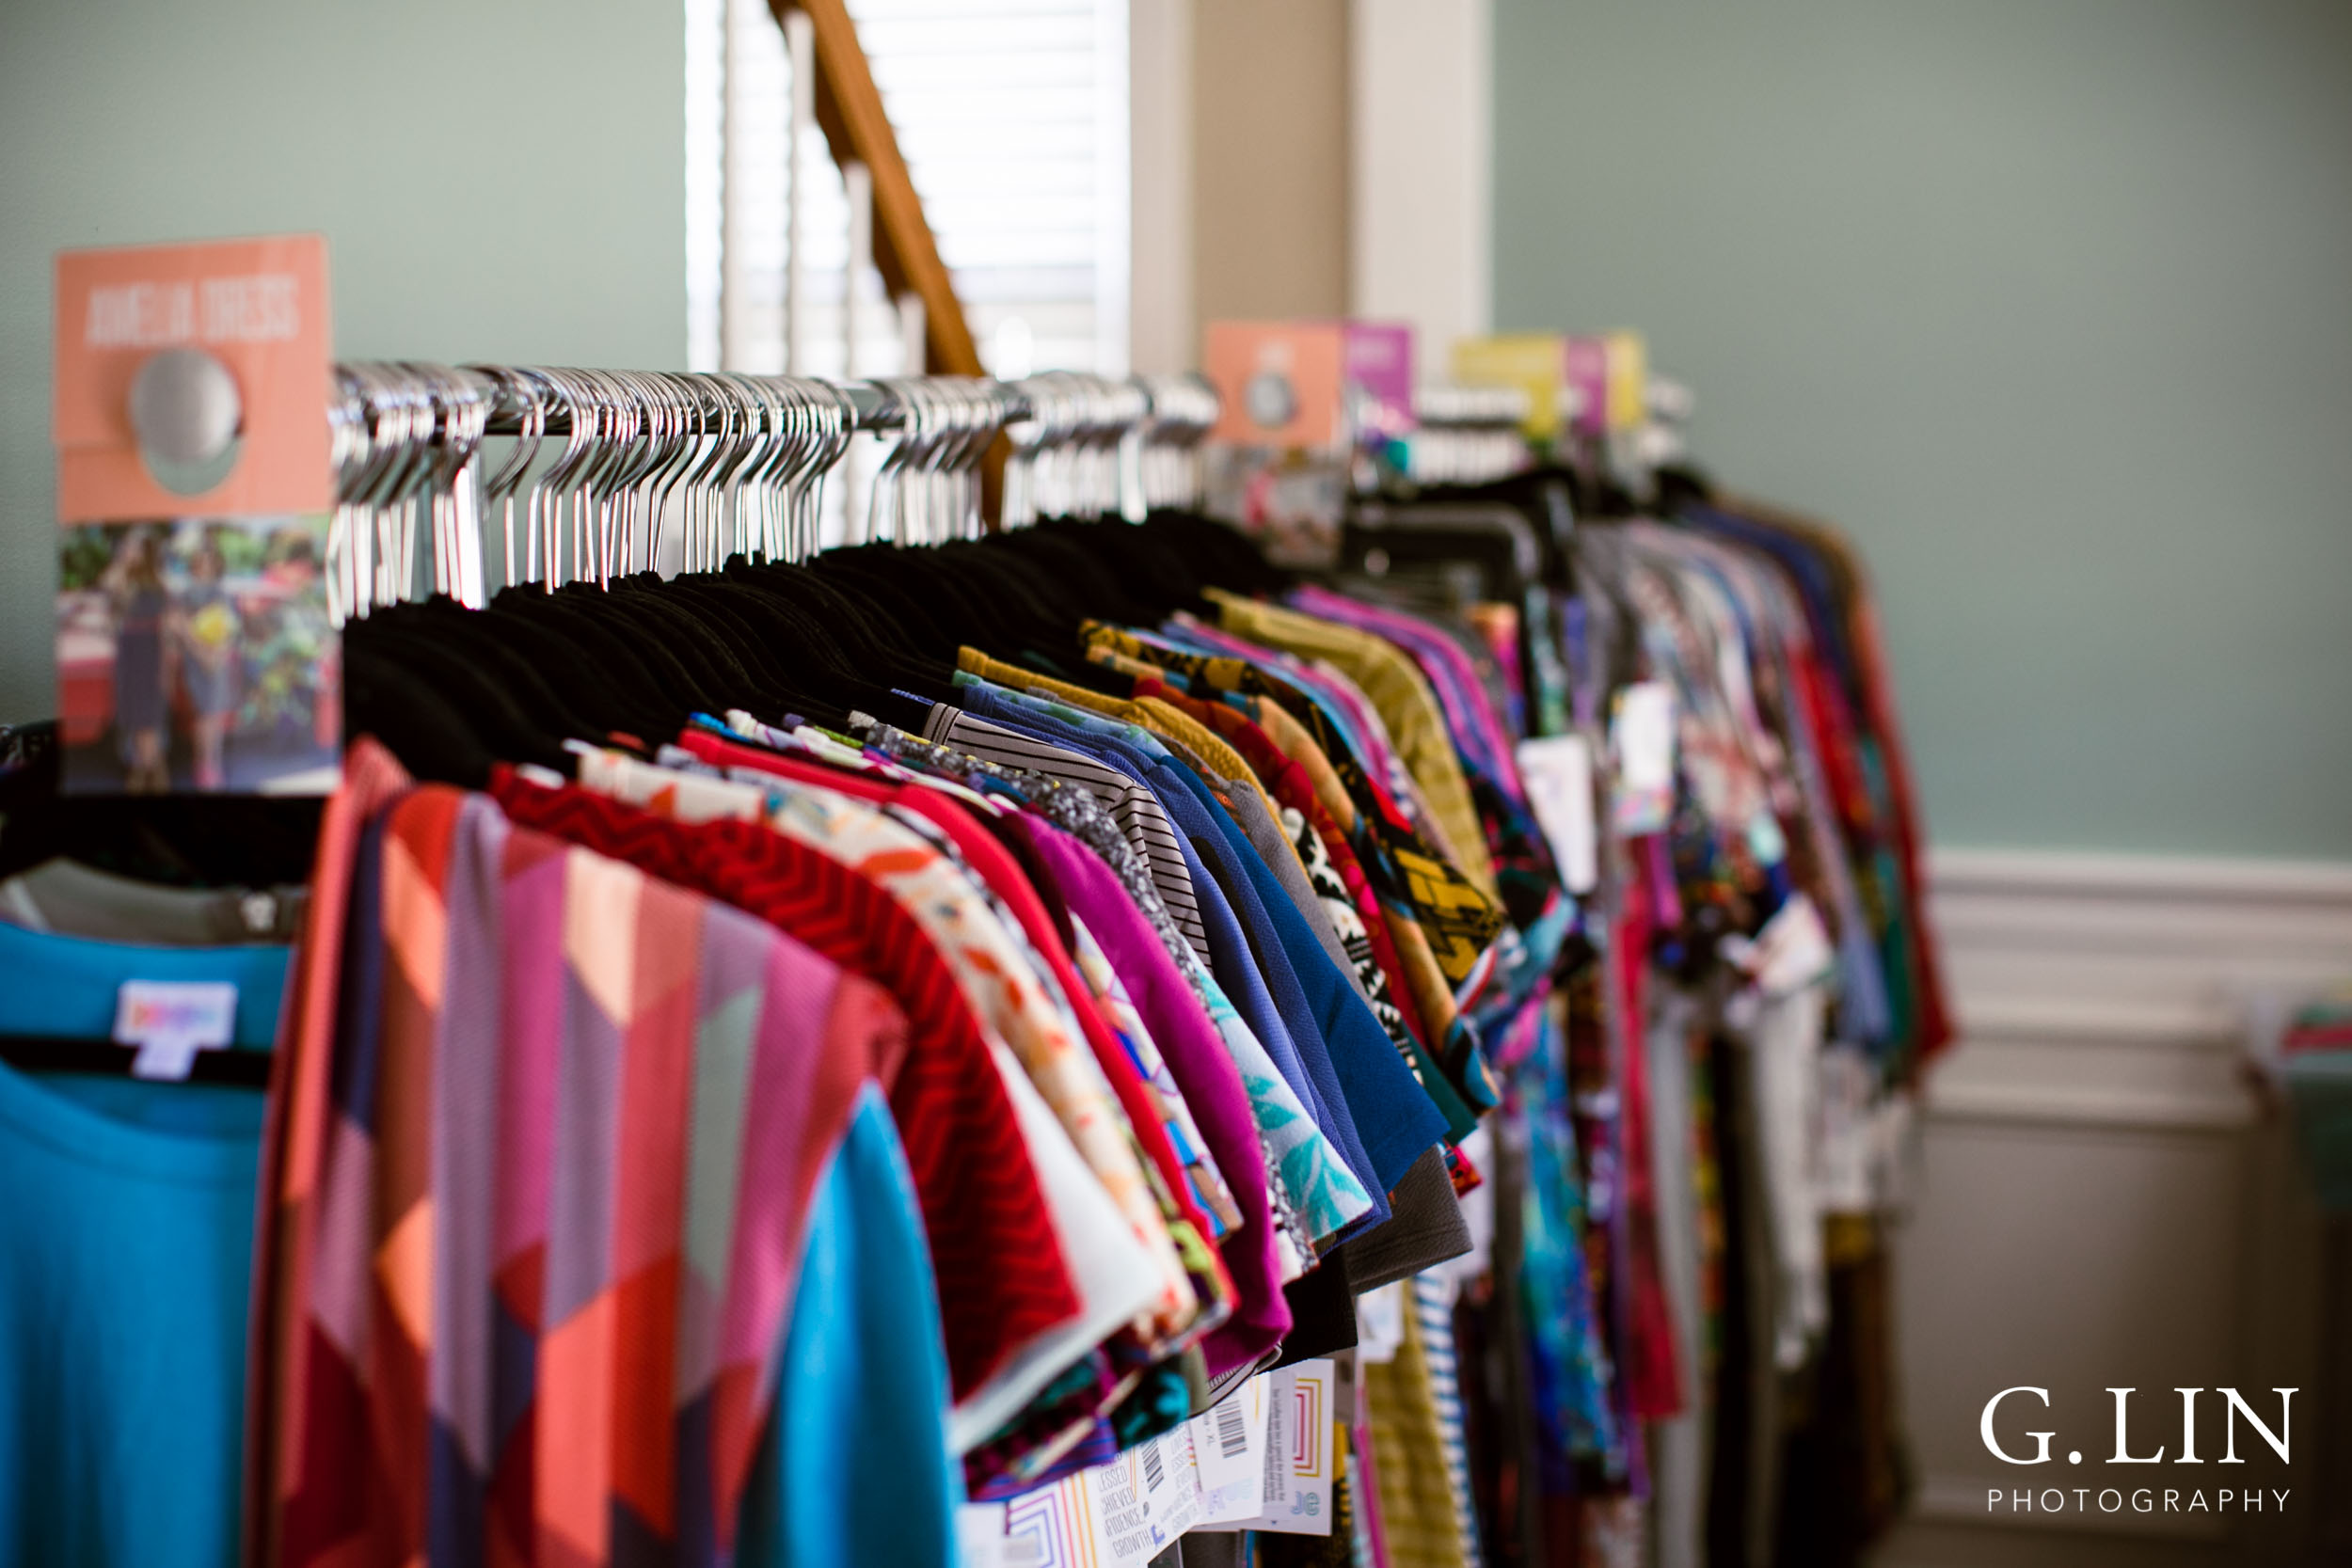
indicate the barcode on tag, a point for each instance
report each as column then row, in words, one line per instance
column 1023, row 1551
column 1152, row 1473
column 1233, row 1436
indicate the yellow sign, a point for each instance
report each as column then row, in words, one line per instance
column 1532, row 360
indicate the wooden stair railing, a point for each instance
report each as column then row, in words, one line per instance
column 850, row 112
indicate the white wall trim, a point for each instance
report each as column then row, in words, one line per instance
column 1420, row 169
column 2120, row 989
column 1162, row 336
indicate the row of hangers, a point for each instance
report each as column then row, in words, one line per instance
column 659, row 537
column 617, row 473
column 1474, row 494
column 677, row 472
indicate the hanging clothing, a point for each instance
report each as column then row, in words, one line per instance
column 126, row 1252
column 832, row 1046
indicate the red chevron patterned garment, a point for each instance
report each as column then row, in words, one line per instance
column 579, row 1117
column 1001, row 1274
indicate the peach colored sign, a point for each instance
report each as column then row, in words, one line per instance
column 258, row 305
column 1281, row 381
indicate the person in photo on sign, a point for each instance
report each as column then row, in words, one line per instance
column 134, row 587
column 209, row 631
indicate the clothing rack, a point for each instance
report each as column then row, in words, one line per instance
column 1386, row 900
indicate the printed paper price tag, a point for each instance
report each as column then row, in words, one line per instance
column 1641, row 741
column 1790, row 952
column 980, row 1535
column 1229, row 1448
column 1558, row 774
column 1122, row 1514
column 1301, row 1433
column 170, row 1021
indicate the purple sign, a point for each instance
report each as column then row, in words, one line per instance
column 1379, row 375
column 1587, row 369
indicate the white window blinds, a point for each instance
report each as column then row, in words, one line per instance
column 1012, row 116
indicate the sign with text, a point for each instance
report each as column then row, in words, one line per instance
column 195, row 649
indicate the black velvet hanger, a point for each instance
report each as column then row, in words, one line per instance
column 609, row 649
column 873, row 628
column 245, row 1070
column 463, row 681
column 432, row 738
column 621, row 698
column 752, row 634
column 727, row 677
column 530, row 682
column 714, row 678
column 839, row 649
column 1220, row 554
column 1034, row 612
column 1133, row 577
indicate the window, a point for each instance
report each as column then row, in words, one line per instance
column 1012, row 116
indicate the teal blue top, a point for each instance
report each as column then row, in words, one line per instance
column 126, row 1251
column 855, row 1466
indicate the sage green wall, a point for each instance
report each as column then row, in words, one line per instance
column 497, row 180
column 2049, row 304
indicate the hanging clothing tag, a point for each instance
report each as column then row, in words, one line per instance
column 1229, row 1453
column 1122, row 1514
column 1302, row 1430
column 1558, row 774
column 170, row 1021
column 1791, row 951
column 1642, row 739
column 980, row 1535
column 1380, row 1322
column 259, row 911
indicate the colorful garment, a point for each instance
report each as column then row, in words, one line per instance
column 1310, row 1182
column 1011, row 992
column 1324, row 1193
column 582, row 1116
column 1119, row 1010
column 994, row 1240
column 1391, row 931
column 1398, row 693
column 126, row 1243
column 1461, row 920
column 851, row 1470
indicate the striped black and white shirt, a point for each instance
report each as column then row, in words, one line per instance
column 1133, row 806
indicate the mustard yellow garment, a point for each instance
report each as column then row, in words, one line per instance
column 1400, row 694
column 1409, row 1458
